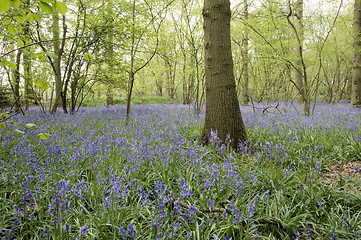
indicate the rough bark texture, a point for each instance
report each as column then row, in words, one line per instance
column 298, row 64
column 356, row 73
column 223, row 114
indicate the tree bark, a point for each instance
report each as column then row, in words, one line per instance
column 223, row 115
column 298, row 63
column 57, row 62
column 110, row 58
column 356, row 69
column 110, row 96
column 245, row 58
column 27, row 62
column 16, row 80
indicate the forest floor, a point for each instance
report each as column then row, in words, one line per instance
column 91, row 176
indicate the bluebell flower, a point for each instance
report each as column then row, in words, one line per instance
column 333, row 235
column 345, row 224
column 319, row 202
column 84, row 230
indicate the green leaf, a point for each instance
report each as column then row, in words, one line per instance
column 40, row 56
column 12, row 30
column 37, row 81
column 44, row 85
column 44, row 136
column 52, row 55
column 12, row 65
column 37, row 17
column 19, row 131
column 3, row 115
column 61, row 7
column 2, row 125
column 46, row 8
column 15, row 3
column 30, row 125
column 20, row 19
column 4, row 5
column 20, row 43
column 7, row 22
column 88, row 56
column 4, row 63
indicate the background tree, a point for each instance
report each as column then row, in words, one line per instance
column 149, row 23
column 299, row 73
column 356, row 76
column 97, row 51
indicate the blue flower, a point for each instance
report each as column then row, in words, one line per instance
column 84, row 229
column 333, row 235
column 319, row 202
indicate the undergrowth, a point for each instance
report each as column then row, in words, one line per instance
column 97, row 178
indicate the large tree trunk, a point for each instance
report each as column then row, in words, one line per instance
column 223, row 114
column 356, row 73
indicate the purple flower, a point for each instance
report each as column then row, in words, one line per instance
column 345, row 224
column 297, row 234
column 319, row 202
column 84, row 230
column 333, row 235
column 122, row 231
column 130, row 229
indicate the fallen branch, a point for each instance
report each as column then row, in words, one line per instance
column 223, row 203
column 10, row 115
column 269, row 221
column 184, row 205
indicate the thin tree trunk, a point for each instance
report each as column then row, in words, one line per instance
column 57, row 64
column 131, row 71
column 130, row 91
column 16, row 80
column 356, row 73
column 110, row 96
column 27, row 77
column 299, row 49
column 110, row 46
column 245, row 58
column 27, row 62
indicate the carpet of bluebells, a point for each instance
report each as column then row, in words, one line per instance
column 95, row 177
